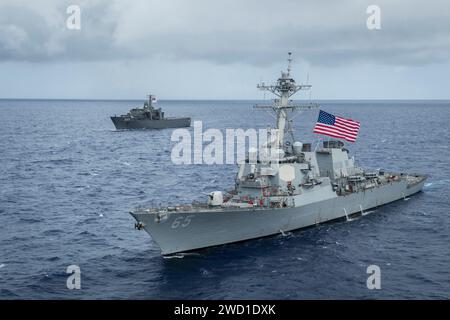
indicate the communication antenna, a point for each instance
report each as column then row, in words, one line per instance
column 289, row 62
column 307, row 82
column 264, row 93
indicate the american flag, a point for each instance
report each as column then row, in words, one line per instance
column 336, row 127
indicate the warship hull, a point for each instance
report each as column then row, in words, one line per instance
column 176, row 232
column 123, row 123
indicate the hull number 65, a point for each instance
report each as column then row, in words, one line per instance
column 182, row 221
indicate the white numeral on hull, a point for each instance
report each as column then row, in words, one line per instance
column 182, row 221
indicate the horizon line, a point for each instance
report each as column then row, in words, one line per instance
column 218, row 99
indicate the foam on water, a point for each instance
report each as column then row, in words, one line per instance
column 365, row 213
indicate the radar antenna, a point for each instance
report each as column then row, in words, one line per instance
column 284, row 88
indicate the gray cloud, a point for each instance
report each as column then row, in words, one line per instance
column 253, row 32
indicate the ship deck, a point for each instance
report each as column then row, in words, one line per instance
column 411, row 179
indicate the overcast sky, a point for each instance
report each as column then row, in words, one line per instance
column 208, row 49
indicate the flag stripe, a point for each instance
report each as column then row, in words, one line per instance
column 325, row 128
column 346, row 125
column 325, row 131
column 332, row 129
column 337, row 127
column 346, row 129
column 349, row 121
column 334, row 135
column 352, row 124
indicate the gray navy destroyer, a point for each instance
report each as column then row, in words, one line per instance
column 300, row 187
column 148, row 117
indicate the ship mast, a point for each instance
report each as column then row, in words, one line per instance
column 284, row 89
column 150, row 102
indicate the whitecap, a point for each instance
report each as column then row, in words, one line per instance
column 434, row 184
column 365, row 213
column 285, row 233
column 2, row 265
column 174, row 256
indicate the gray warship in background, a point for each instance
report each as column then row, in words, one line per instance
column 148, row 117
column 300, row 188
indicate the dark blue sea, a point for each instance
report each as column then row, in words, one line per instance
column 68, row 180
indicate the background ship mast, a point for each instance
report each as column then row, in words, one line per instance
column 284, row 89
column 150, row 100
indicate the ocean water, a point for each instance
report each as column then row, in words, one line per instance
column 68, row 180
